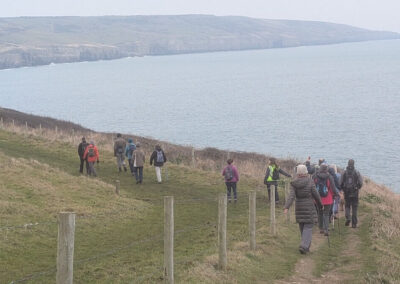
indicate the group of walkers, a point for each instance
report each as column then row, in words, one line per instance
column 89, row 154
column 318, row 190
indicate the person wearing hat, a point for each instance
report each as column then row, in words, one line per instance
column 272, row 177
column 129, row 153
column 119, row 149
column 302, row 189
column 92, row 156
column 138, row 163
column 158, row 157
column 81, row 150
column 351, row 182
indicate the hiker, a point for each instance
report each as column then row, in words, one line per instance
column 119, row 149
column 81, row 150
column 351, row 182
column 138, row 163
column 332, row 169
column 231, row 176
column 272, row 177
column 302, row 189
column 313, row 169
column 326, row 189
column 92, row 156
column 129, row 153
column 159, row 159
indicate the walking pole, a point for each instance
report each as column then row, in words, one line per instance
column 338, row 220
column 323, row 221
column 333, row 216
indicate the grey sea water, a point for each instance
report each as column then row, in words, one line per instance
column 336, row 101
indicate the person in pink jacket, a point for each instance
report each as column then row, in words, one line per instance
column 326, row 189
column 231, row 176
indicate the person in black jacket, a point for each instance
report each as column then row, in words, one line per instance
column 81, row 150
column 158, row 157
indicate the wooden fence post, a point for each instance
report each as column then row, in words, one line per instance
column 252, row 219
column 65, row 248
column 117, row 184
column 287, row 192
column 1, row 122
column 169, row 239
column 222, row 212
column 272, row 223
column 40, row 127
column 13, row 123
column 193, row 159
column 56, row 130
column 26, row 125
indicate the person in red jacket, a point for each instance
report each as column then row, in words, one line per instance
column 326, row 188
column 92, row 155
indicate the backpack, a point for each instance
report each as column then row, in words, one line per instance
column 228, row 173
column 160, row 157
column 91, row 153
column 350, row 181
column 275, row 174
column 322, row 186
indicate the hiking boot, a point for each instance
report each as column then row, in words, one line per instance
column 303, row 250
column 321, row 231
column 347, row 223
column 354, row 226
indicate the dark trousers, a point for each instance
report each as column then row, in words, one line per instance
column 229, row 187
column 131, row 165
column 323, row 217
column 83, row 161
column 306, row 235
column 269, row 183
column 351, row 203
column 139, row 174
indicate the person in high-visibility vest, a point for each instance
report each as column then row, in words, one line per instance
column 272, row 177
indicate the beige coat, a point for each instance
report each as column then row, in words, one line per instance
column 139, row 158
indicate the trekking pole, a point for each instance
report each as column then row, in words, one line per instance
column 338, row 221
column 323, row 221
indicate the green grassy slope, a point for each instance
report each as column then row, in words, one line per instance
column 119, row 239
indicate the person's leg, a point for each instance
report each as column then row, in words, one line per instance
column 306, row 236
column 118, row 158
column 228, row 190
column 94, row 173
column 141, row 174
column 354, row 219
column 81, row 165
column 91, row 168
column 123, row 162
column 131, row 165
column 158, row 173
column 327, row 212
column 136, row 171
column 347, row 209
column 320, row 220
column 276, row 192
column 269, row 191
column 234, row 191
column 87, row 166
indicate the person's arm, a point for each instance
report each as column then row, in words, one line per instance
column 115, row 149
column 127, row 151
column 266, row 176
column 152, row 157
column 360, row 179
column 316, row 196
column 284, row 173
column 236, row 173
column 341, row 181
column 291, row 198
column 165, row 158
column 85, row 153
column 80, row 150
column 97, row 154
column 335, row 191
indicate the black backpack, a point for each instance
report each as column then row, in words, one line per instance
column 275, row 174
column 228, row 173
column 322, row 186
column 91, row 152
column 350, row 181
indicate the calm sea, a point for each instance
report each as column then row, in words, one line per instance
column 336, row 101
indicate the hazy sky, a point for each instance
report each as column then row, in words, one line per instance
column 372, row 14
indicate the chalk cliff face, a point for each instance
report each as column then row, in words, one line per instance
column 31, row 41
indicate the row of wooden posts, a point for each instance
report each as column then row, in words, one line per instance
column 66, row 232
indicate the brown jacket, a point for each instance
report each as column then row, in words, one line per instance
column 119, row 144
column 138, row 158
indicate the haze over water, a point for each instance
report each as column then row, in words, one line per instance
column 336, row 101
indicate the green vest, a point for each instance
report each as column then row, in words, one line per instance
column 271, row 171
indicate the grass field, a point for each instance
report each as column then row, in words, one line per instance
column 119, row 239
